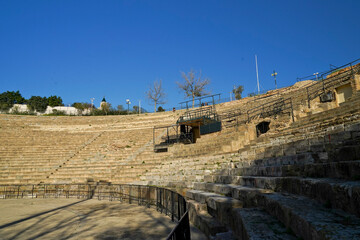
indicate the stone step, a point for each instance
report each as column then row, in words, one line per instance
column 255, row 223
column 198, row 216
column 250, row 223
column 349, row 170
column 305, row 217
column 330, row 192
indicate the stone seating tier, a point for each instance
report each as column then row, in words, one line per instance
column 43, row 149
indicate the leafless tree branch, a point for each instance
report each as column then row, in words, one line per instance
column 193, row 85
column 156, row 94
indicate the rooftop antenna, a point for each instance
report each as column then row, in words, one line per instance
column 274, row 75
column 257, row 75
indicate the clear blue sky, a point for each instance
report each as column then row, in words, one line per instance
column 83, row 49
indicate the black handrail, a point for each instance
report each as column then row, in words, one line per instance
column 207, row 111
column 213, row 101
column 332, row 81
column 312, row 91
column 271, row 108
column 181, row 231
column 327, row 72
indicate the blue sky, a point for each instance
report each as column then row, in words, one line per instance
column 117, row 49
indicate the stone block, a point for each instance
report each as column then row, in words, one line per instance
column 254, row 223
column 221, row 208
column 204, row 221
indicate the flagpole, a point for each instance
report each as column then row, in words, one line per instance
column 257, row 75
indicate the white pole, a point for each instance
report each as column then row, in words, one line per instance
column 257, row 75
column 139, row 106
column 230, row 97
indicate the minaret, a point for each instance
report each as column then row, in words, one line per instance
column 102, row 103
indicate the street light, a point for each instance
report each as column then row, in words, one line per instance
column 92, row 104
column 274, row 75
column 316, row 74
column 128, row 103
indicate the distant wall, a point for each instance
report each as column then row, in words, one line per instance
column 67, row 110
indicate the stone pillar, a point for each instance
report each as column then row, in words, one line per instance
column 355, row 84
column 196, row 133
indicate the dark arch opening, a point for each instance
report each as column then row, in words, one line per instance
column 262, row 128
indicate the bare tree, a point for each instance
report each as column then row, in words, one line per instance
column 156, row 94
column 194, row 85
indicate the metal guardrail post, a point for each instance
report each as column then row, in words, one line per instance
column 129, row 194
column 178, row 205
column 292, row 110
column 172, row 206
column 308, row 96
column 139, row 195
column 161, row 200
column 165, row 202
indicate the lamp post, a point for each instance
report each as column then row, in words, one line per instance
column 92, row 104
column 139, row 106
column 316, row 74
column 274, row 75
column 128, row 103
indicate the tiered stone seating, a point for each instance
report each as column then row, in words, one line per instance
column 305, row 185
column 28, row 154
column 298, row 180
column 72, row 149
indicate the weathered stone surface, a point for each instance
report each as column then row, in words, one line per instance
column 309, row 219
column 304, row 216
column 204, row 221
column 256, row 224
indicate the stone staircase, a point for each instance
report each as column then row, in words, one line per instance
column 310, row 191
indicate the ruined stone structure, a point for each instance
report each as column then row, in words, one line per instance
column 286, row 164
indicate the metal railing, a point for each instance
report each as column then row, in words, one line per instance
column 181, row 231
column 332, row 79
column 202, row 112
column 170, row 136
column 273, row 108
column 164, row 200
column 202, row 101
column 231, row 118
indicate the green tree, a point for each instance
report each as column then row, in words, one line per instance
column 120, row 108
column 135, row 109
column 238, row 91
column 8, row 99
column 160, row 109
column 55, row 101
column 81, row 106
column 105, row 107
column 194, row 85
column 38, row 103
